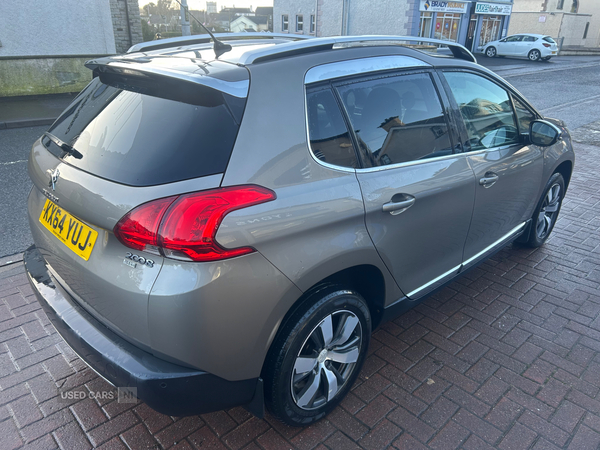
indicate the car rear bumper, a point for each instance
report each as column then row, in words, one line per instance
column 166, row 387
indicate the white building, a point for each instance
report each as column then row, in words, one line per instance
column 469, row 22
column 574, row 22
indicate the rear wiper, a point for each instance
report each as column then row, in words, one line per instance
column 64, row 146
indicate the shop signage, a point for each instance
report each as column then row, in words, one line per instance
column 439, row 6
column 493, row 8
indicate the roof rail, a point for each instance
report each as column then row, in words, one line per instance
column 327, row 43
column 205, row 38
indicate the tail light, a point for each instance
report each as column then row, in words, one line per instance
column 546, row 45
column 184, row 227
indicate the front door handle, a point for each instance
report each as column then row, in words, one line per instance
column 488, row 180
column 399, row 204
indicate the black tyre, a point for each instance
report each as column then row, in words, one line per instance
column 317, row 356
column 534, row 55
column 545, row 214
column 490, row 52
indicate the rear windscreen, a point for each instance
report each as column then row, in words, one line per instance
column 549, row 39
column 138, row 139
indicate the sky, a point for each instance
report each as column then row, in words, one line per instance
column 201, row 4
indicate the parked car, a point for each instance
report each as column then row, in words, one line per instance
column 226, row 228
column 535, row 47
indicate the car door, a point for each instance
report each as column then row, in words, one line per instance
column 508, row 46
column 418, row 193
column 525, row 45
column 508, row 172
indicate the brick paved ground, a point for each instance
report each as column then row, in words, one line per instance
column 507, row 357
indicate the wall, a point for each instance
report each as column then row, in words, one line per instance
column 53, row 27
column 528, row 22
column 572, row 30
column 591, row 7
column 46, row 42
column 329, row 18
column 125, row 36
column 528, row 5
column 36, row 76
column 384, row 17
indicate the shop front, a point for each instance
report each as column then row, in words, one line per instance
column 492, row 23
column 442, row 20
column 470, row 23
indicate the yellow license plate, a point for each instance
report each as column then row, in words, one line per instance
column 554, row 53
column 72, row 232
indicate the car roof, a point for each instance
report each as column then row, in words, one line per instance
column 193, row 59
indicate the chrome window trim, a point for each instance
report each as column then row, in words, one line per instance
column 494, row 244
column 435, row 280
column 339, row 69
column 407, row 163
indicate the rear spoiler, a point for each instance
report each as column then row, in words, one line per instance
column 138, row 73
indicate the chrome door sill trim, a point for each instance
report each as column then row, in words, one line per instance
column 496, row 243
column 435, row 280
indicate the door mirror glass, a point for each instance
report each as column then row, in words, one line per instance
column 543, row 133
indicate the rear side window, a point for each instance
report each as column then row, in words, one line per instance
column 549, row 39
column 329, row 137
column 143, row 140
column 486, row 110
column 397, row 119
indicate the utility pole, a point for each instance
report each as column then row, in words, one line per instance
column 185, row 20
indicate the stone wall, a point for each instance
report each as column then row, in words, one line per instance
column 127, row 25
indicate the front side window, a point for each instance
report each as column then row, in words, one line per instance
column 397, row 119
column 514, row 39
column 486, row 110
column 299, row 23
column 330, row 140
column 284, row 23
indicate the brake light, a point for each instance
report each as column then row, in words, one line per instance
column 184, row 227
column 546, row 45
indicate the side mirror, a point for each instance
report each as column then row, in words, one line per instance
column 543, row 133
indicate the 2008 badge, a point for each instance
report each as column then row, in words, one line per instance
column 139, row 259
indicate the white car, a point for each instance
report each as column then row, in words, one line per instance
column 535, row 47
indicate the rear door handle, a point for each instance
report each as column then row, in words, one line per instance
column 399, row 204
column 488, row 180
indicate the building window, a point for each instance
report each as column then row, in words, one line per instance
column 447, row 26
column 490, row 29
column 560, row 4
column 299, row 23
column 587, row 27
column 284, row 22
column 575, row 6
column 313, row 23
column 425, row 24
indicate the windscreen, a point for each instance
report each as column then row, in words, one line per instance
column 138, row 139
column 549, row 39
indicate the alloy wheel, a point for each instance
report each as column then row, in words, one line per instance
column 326, row 360
column 549, row 211
column 534, row 55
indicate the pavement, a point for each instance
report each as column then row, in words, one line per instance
column 505, row 357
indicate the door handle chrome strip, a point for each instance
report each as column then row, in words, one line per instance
column 488, row 180
column 397, row 207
